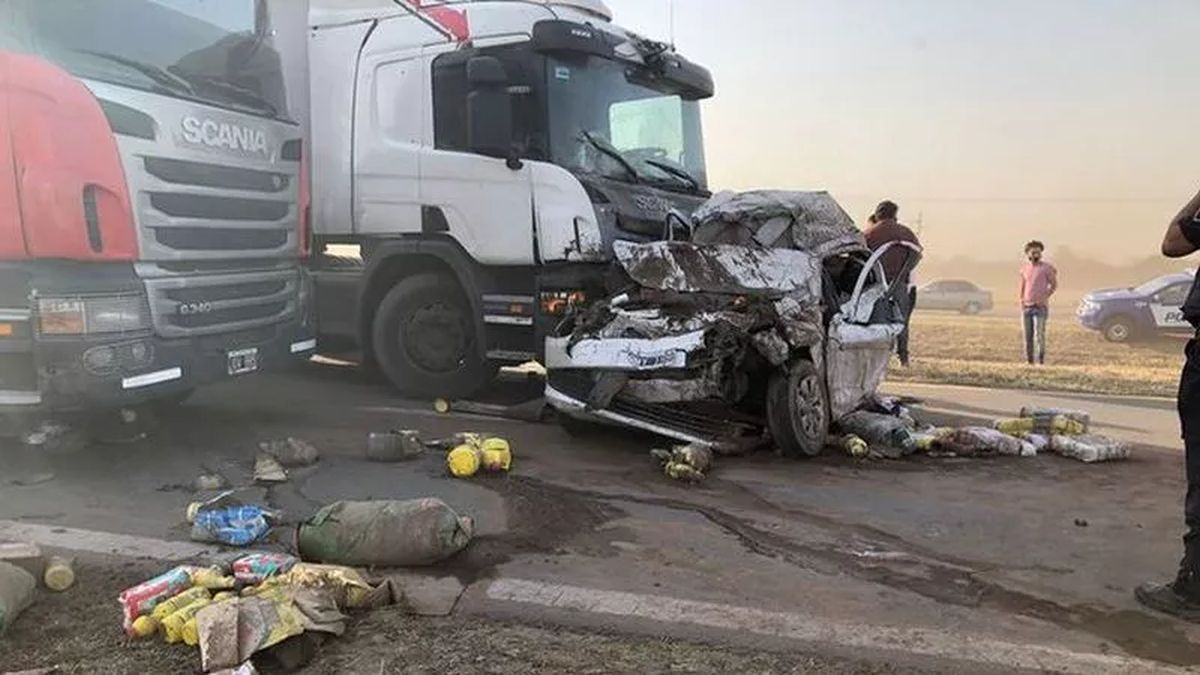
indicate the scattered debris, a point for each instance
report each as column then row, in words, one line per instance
column 229, row 525
column 1044, row 424
column 394, row 446
column 1090, row 448
column 533, row 410
column 25, row 555
column 209, row 482
column 59, row 574
column 291, row 452
column 1080, row 416
column 267, row 469
column 258, row 567
column 688, row 463
column 475, row 451
column 140, row 600
column 985, row 442
column 464, row 461
column 853, row 445
column 384, row 533
column 1080, row 522
column 16, row 593
column 889, row 435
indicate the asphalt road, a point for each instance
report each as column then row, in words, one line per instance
column 952, row 564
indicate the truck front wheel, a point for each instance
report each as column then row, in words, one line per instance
column 797, row 411
column 424, row 339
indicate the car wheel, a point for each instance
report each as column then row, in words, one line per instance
column 1118, row 329
column 798, row 411
column 425, row 342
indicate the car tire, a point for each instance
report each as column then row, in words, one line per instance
column 798, row 411
column 972, row 308
column 425, row 342
column 1118, row 329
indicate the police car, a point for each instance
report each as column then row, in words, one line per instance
column 1125, row 314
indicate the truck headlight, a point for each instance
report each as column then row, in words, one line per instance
column 93, row 315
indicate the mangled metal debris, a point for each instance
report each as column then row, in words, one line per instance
column 775, row 317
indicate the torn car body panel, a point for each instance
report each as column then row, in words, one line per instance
column 720, row 268
column 771, row 285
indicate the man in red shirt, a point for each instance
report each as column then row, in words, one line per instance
column 883, row 228
column 1039, row 281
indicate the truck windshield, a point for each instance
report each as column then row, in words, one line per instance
column 598, row 106
column 217, row 52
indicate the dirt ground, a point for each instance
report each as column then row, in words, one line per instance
column 988, row 351
column 78, row 632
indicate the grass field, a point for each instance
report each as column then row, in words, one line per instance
column 988, row 351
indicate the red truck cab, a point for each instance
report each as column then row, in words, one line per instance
column 152, row 224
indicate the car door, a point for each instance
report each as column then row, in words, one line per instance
column 862, row 335
column 1166, row 308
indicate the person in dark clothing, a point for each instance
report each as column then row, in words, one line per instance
column 1181, row 597
column 883, row 228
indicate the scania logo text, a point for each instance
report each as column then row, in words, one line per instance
column 224, row 135
column 652, row 203
column 191, row 308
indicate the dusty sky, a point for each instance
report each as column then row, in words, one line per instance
column 1074, row 121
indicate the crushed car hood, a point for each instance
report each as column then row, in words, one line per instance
column 733, row 270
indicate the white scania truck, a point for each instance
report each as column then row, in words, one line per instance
column 484, row 156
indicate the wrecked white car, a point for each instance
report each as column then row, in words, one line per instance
column 774, row 316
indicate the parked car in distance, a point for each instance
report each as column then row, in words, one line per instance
column 1127, row 314
column 954, row 295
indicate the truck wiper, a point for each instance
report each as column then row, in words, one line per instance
column 607, row 149
column 677, row 172
column 159, row 76
column 231, row 91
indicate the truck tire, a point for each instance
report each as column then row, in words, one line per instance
column 1118, row 329
column 424, row 339
column 798, row 411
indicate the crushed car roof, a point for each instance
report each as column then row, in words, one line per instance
column 817, row 223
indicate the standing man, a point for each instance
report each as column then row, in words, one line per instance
column 883, row 228
column 1039, row 280
column 1181, row 597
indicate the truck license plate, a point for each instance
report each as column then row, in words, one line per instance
column 243, row 361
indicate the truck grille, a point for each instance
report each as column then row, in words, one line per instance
column 185, row 306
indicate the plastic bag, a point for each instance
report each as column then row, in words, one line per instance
column 1090, row 448
column 142, row 599
column 982, row 442
column 880, row 431
column 16, row 593
column 256, row 567
column 1080, row 416
column 1043, row 424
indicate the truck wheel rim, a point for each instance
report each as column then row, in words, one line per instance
column 810, row 409
column 1118, row 332
column 436, row 338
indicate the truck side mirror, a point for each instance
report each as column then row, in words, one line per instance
column 489, row 110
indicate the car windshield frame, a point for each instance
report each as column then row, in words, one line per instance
column 581, row 95
column 221, row 54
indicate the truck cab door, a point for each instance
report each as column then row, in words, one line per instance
column 473, row 179
column 862, row 334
